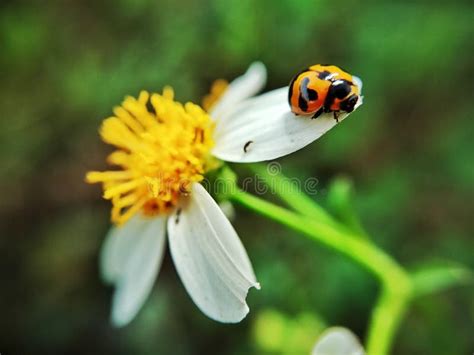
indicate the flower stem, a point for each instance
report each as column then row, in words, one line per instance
column 367, row 255
column 396, row 284
column 300, row 202
column 386, row 317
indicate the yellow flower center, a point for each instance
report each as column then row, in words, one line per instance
column 163, row 147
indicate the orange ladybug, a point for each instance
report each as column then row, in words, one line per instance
column 322, row 89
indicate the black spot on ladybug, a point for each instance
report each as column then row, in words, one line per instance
column 178, row 214
column 340, row 89
column 149, row 106
column 329, row 100
column 302, row 104
column 247, row 145
column 312, row 95
column 323, row 75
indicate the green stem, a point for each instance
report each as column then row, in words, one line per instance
column 367, row 255
column 386, row 317
column 298, row 201
column 396, row 284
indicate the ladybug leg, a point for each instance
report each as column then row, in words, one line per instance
column 336, row 116
column 317, row 113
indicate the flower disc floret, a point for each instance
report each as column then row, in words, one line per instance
column 162, row 148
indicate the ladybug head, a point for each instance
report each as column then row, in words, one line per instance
column 349, row 103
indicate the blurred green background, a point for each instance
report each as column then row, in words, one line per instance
column 408, row 150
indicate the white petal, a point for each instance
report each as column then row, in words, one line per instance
column 242, row 88
column 338, row 341
column 263, row 128
column 210, row 258
column 116, row 247
column 228, row 208
column 132, row 263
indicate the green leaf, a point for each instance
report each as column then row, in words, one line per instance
column 439, row 277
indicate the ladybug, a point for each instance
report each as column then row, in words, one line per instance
column 322, row 89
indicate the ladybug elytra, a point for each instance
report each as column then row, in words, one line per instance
column 322, row 89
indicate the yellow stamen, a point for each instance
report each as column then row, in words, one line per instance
column 162, row 148
column 120, row 189
column 218, row 89
column 99, row 176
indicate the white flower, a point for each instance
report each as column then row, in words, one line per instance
column 205, row 248
column 165, row 151
column 338, row 341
